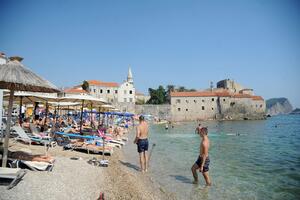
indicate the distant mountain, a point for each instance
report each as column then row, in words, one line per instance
column 295, row 112
column 276, row 106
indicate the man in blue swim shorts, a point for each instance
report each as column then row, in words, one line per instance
column 141, row 140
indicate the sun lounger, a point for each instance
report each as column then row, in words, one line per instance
column 32, row 165
column 91, row 148
column 20, row 159
column 36, row 132
column 16, row 174
column 23, row 136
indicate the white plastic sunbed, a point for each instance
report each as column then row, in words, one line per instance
column 16, row 174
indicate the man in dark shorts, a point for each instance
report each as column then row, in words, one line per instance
column 141, row 140
column 203, row 160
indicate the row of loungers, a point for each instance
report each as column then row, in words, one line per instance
column 92, row 144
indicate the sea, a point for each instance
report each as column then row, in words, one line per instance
column 257, row 159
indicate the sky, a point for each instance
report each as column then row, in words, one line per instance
column 183, row 43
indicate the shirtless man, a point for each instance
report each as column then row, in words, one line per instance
column 141, row 140
column 202, row 162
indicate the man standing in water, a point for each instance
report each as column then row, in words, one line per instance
column 202, row 162
column 141, row 140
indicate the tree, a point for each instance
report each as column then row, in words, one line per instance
column 170, row 88
column 181, row 89
column 85, row 86
column 157, row 96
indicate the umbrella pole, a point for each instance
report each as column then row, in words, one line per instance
column 20, row 111
column 10, row 105
column 55, row 112
column 99, row 118
column 81, row 117
column 47, row 110
column 68, row 113
column 92, row 115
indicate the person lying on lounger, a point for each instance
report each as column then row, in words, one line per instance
column 20, row 155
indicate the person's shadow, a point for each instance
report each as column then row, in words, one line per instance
column 132, row 166
column 182, row 179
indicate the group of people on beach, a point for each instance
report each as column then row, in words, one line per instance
column 201, row 164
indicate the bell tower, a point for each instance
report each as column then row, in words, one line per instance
column 129, row 76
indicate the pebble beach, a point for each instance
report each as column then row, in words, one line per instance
column 77, row 179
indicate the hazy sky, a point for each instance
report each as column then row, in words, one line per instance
column 189, row 43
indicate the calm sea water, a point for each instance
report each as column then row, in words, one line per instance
column 262, row 162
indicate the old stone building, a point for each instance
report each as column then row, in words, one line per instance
column 122, row 96
column 228, row 101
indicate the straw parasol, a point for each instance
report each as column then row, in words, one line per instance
column 30, row 97
column 16, row 77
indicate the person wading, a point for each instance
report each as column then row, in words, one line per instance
column 141, row 140
column 203, row 160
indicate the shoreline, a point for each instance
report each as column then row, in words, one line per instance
column 126, row 182
column 76, row 179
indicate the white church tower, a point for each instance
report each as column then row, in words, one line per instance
column 129, row 76
column 126, row 92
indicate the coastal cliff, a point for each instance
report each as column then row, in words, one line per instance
column 276, row 106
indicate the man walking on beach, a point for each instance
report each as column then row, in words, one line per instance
column 141, row 140
column 202, row 162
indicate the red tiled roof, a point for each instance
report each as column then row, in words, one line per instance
column 74, row 90
column 214, row 94
column 257, row 98
column 241, row 95
column 200, row 94
column 103, row 84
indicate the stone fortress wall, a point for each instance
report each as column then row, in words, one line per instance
column 228, row 101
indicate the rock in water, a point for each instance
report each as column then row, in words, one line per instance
column 295, row 112
column 276, row 106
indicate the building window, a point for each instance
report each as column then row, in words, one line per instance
column 187, row 101
column 125, row 92
column 212, row 108
column 126, row 84
column 186, row 109
column 108, row 91
column 112, row 100
column 203, row 108
column 256, row 105
column 213, row 99
column 260, row 106
column 195, row 101
column 130, row 100
column 125, row 100
column 177, row 100
column 224, row 100
column 203, row 100
column 178, row 109
column 101, row 91
column 130, row 91
column 232, row 103
column 94, row 90
column 116, row 91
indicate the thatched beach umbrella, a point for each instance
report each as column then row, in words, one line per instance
column 15, row 77
column 30, row 97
